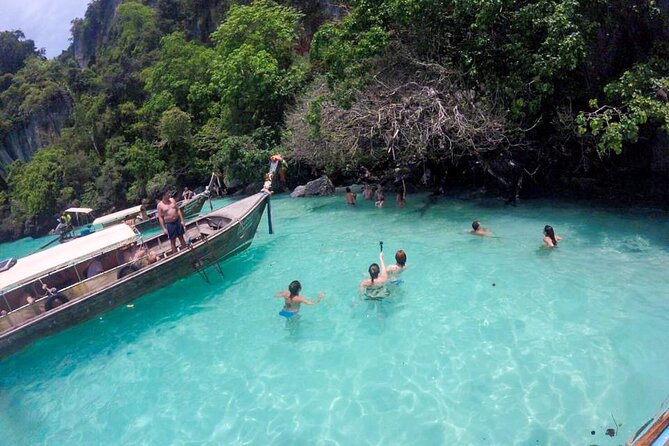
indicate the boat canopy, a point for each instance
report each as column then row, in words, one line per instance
column 79, row 210
column 41, row 263
column 117, row 216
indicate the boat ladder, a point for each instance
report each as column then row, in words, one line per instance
column 202, row 260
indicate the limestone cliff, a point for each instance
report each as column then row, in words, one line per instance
column 37, row 131
column 90, row 34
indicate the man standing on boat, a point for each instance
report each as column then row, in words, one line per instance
column 171, row 220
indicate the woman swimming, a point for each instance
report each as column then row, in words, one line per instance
column 293, row 300
column 374, row 288
column 550, row 239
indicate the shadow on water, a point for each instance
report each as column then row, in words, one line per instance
column 122, row 326
column 428, row 202
column 374, row 314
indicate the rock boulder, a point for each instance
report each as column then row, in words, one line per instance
column 298, row 192
column 319, row 187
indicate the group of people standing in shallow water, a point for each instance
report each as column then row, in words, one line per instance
column 375, row 288
column 369, row 193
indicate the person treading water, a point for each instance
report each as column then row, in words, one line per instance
column 477, row 229
column 398, row 268
column 374, row 288
column 550, row 239
column 293, row 300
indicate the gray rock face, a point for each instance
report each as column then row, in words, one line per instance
column 298, row 192
column 38, row 130
column 253, row 188
column 319, row 187
column 88, row 40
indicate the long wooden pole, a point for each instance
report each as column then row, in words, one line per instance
column 269, row 215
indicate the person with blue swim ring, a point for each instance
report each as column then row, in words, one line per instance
column 293, row 300
column 398, row 268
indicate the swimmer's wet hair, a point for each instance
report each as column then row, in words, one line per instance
column 401, row 257
column 374, row 271
column 476, row 225
column 294, row 288
column 348, row 189
column 548, row 230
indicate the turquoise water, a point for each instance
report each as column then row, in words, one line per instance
column 563, row 341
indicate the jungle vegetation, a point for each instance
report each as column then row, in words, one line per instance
column 497, row 92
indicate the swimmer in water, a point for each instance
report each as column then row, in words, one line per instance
column 367, row 192
column 478, row 230
column 398, row 268
column 380, row 198
column 350, row 197
column 374, row 288
column 293, row 300
column 550, row 239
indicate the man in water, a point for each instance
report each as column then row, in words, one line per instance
column 293, row 300
column 367, row 192
column 350, row 197
column 477, row 229
column 171, row 220
column 380, row 198
column 394, row 271
column 400, row 198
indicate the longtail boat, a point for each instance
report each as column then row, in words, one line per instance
column 654, row 433
column 54, row 289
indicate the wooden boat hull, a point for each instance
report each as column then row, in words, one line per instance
column 189, row 209
column 654, row 433
column 234, row 238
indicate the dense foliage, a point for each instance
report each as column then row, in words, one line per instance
column 163, row 92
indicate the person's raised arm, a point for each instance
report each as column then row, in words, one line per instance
column 383, row 274
column 306, row 301
column 284, row 294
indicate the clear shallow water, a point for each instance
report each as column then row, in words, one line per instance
column 565, row 339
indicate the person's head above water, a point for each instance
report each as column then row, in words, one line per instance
column 476, row 224
column 348, row 190
column 294, row 288
column 550, row 233
column 401, row 257
column 374, row 271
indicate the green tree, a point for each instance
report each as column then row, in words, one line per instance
column 35, row 186
column 14, row 50
column 180, row 77
column 256, row 71
column 176, row 138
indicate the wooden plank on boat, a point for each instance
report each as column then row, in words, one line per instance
column 653, row 432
